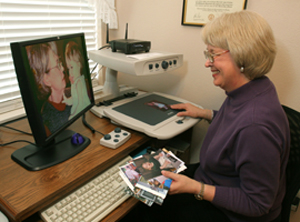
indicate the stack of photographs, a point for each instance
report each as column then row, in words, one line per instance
column 144, row 179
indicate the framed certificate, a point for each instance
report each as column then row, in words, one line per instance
column 199, row 12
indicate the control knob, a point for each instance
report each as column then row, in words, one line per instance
column 165, row 64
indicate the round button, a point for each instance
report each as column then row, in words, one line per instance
column 107, row 137
column 117, row 130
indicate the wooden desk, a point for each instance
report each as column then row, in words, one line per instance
column 24, row 193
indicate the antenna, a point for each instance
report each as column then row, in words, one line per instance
column 107, row 33
column 126, row 31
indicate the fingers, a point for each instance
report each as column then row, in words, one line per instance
column 178, row 106
column 169, row 174
column 182, row 106
column 177, row 185
column 184, row 113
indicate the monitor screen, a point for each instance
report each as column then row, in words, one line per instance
column 55, row 84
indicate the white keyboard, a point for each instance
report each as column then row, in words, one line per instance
column 93, row 201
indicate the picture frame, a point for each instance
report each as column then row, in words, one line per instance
column 199, row 12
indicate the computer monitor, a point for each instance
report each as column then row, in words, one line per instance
column 55, row 84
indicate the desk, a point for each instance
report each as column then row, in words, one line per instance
column 24, row 193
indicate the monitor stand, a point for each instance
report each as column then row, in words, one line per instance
column 35, row 158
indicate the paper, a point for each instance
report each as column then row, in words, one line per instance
column 200, row 12
column 144, row 55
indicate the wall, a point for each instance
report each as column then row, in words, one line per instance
column 159, row 21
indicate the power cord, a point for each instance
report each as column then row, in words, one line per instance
column 26, row 133
column 26, row 141
column 17, row 141
column 20, row 131
column 30, row 134
column 89, row 126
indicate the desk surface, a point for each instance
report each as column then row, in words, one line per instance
column 23, row 193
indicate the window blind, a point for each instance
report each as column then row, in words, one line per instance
column 25, row 20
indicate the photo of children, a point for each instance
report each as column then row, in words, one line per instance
column 158, row 105
column 79, row 97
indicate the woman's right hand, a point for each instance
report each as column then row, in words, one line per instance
column 192, row 111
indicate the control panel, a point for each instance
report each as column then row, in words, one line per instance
column 140, row 64
column 161, row 65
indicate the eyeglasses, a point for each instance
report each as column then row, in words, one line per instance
column 211, row 57
column 58, row 66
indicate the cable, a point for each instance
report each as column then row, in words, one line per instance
column 105, row 46
column 94, row 69
column 20, row 131
column 89, row 126
column 17, row 141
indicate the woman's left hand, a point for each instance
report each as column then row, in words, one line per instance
column 182, row 183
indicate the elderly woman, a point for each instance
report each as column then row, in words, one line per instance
column 241, row 175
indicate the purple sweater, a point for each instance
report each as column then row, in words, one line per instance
column 245, row 153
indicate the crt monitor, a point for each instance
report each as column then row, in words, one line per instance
column 55, row 84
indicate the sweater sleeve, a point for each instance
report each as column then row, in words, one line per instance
column 257, row 158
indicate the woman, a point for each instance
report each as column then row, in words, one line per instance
column 50, row 80
column 241, row 175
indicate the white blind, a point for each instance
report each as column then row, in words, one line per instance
column 25, row 20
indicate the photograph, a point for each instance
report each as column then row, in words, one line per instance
column 151, row 165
